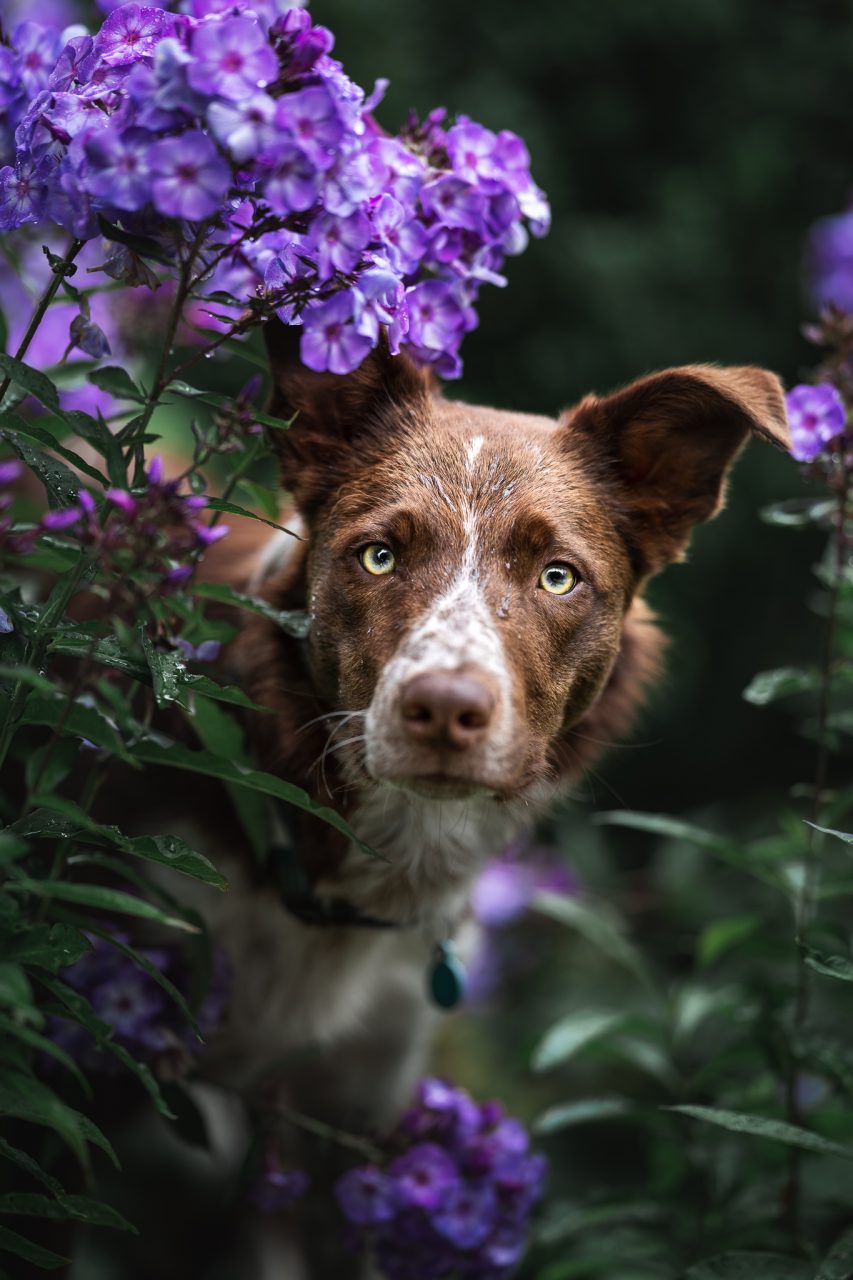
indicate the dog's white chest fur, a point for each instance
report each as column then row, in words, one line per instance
column 297, row 985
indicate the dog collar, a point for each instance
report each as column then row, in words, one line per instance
column 446, row 977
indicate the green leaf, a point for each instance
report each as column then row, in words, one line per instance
column 798, row 513
column 143, row 246
column 11, row 1242
column 30, row 1166
column 167, row 667
column 838, row 1263
column 48, row 946
column 722, row 935
column 750, row 1266
column 99, row 897
column 82, row 722
column 767, row 686
column 845, row 836
column 27, row 676
column 581, row 1112
column 662, row 824
column 32, row 431
column 32, row 381
column 169, row 851
column 193, row 684
column 25, row 1098
column 294, row 621
column 830, row 966
column 220, row 733
column 231, row 508
column 11, row 847
column 63, row 1208
column 51, row 764
column 600, row 927
column 15, row 989
column 571, row 1034
column 175, row 755
column 117, row 382
column 763, row 1127
column 35, row 1041
column 61, row 485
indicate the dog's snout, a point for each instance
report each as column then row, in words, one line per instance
column 447, row 708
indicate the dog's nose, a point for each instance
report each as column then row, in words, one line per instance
column 447, row 708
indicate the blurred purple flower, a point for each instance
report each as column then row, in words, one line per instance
column 829, row 261
column 366, row 1196
column 816, row 416
column 190, row 177
column 119, row 168
column 423, row 1176
column 507, row 883
column 331, row 339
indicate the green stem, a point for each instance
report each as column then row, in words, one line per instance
column 59, row 274
column 807, row 900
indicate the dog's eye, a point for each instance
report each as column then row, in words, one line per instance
column 558, row 579
column 377, row 558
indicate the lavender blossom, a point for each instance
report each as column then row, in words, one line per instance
column 816, row 416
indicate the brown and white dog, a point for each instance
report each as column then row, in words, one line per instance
column 473, row 578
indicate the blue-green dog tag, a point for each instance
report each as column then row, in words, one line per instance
column 447, row 977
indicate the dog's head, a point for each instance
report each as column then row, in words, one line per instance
column 472, row 573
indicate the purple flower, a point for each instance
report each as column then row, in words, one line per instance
column 190, row 178
column 468, row 1214
column 829, row 257
column 207, row 651
column 59, row 521
column 506, row 885
column 338, row 243
column 423, row 1175
column 86, row 335
column 311, row 116
column 231, row 57
column 121, row 498
column 246, row 128
column 366, row 1195
column 816, row 416
column 37, row 48
column 24, row 192
column 436, row 320
column 10, row 471
column 331, row 338
column 119, row 172
column 132, row 32
column 130, row 1002
column 277, row 1189
column 75, row 64
column 455, row 203
column 290, row 183
column 471, row 149
column 6, row 623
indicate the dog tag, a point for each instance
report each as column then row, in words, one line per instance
column 447, row 977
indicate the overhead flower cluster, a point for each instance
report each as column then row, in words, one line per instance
column 456, row 1199
column 232, row 129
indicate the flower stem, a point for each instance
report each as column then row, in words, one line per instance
column 59, row 272
column 806, row 902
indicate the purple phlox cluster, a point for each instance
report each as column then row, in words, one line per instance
column 816, row 417
column 154, row 532
column 233, row 123
column 143, row 1018
column 457, row 1198
column 277, row 1188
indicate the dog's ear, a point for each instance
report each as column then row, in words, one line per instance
column 664, row 444
column 338, row 420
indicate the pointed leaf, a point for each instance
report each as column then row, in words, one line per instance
column 231, row 508
column 61, row 485
column 167, row 667
column 830, row 966
column 103, row 899
column 29, row 1166
column 32, row 431
column 845, row 836
column 767, row 686
column 117, row 382
column 573, row 1033
column 31, row 380
column 294, row 621
column 763, row 1127
column 11, row 1242
column 11, row 1028
column 177, row 756
column 584, row 1111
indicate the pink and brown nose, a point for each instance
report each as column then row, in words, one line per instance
column 447, row 709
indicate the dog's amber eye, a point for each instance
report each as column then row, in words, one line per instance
column 558, row 579
column 377, row 558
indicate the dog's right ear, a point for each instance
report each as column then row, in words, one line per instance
column 339, row 420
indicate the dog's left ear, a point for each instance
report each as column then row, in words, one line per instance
column 339, row 419
column 665, row 443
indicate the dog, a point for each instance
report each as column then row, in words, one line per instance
column 478, row 636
